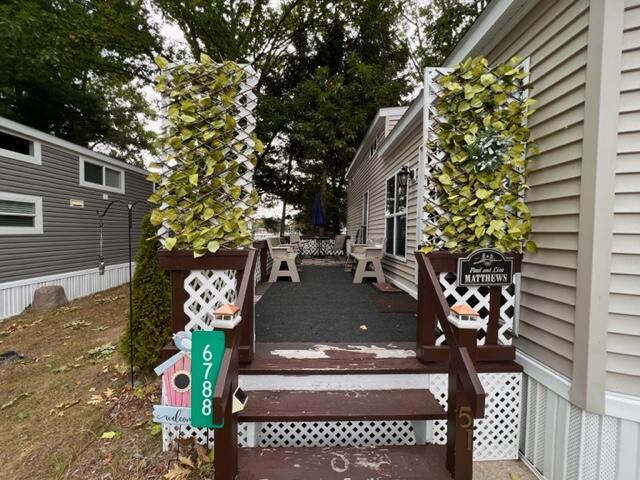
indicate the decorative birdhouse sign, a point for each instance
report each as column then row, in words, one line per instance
column 227, row 316
column 463, row 316
column 176, row 384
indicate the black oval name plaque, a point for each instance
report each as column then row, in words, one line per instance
column 485, row 267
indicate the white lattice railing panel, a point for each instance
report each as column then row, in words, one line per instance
column 207, row 290
column 497, row 435
column 201, row 436
column 478, row 299
column 336, row 434
column 319, row 247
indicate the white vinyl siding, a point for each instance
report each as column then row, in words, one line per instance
column 623, row 343
column 20, row 214
column 95, row 174
column 554, row 37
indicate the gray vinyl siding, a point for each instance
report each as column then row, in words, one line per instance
column 554, row 36
column 69, row 241
column 623, row 345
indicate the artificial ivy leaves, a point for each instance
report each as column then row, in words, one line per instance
column 205, row 196
column 484, row 144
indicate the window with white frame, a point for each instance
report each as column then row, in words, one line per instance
column 365, row 217
column 395, row 218
column 20, row 148
column 95, row 174
column 20, row 214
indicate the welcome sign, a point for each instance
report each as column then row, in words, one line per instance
column 485, row 267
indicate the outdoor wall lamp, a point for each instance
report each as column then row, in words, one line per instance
column 404, row 175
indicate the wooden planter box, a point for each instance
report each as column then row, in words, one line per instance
column 427, row 351
column 180, row 263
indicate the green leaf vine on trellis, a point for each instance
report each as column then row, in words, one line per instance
column 483, row 145
column 205, row 196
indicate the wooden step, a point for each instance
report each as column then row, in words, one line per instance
column 335, row 463
column 350, row 405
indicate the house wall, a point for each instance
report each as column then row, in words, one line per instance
column 554, row 36
column 67, row 251
column 70, row 240
column 371, row 174
column 623, row 343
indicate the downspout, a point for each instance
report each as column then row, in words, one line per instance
column 422, row 162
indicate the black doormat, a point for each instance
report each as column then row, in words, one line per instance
column 393, row 302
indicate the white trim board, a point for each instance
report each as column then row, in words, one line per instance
column 36, row 155
column 37, row 228
column 11, row 127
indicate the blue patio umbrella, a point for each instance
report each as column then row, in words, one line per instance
column 317, row 213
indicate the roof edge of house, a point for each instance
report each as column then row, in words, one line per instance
column 487, row 30
column 25, row 131
column 380, row 115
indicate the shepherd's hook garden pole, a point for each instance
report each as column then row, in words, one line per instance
column 130, row 225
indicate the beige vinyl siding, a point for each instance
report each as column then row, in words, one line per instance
column 401, row 271
column 370, row 174
column 359, row 179
column 554, row 37
column 623, row 343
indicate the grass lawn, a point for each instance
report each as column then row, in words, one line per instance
column 69, row 390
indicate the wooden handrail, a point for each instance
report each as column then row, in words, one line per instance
column 458, row 356
column 225, row 378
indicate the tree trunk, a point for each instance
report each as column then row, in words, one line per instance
column 285, row 196
column 323, row 194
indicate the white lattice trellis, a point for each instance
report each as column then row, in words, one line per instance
column 207, row 289
column 336, row 434
column 497, row 435
column 478, row 298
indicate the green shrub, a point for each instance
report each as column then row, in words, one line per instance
column 151, row 303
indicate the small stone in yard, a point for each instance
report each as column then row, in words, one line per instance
column 364, row 327
column 47, row 298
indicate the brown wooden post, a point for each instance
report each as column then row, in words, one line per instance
column 178, row 297
column 459, row 433
column 426, row 320
column 467, row 337
column 247, row 339
column 225, row 459
column 264, row 257
column 495, row 297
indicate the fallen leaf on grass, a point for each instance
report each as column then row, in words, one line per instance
column 155, row 429
column 110, row 435
column 177, row 472
column 107, row 458
column 61, row 407
column 95, row 400
column 99, row 353
column 77, row 324
column 62, row 310
column 22, row 415
column 13, row 401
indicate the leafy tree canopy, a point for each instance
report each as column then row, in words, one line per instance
column 75, row 68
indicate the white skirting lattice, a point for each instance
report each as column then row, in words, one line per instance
column 497, row 435
column 18, row 295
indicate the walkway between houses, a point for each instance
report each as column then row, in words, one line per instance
column 327, row 307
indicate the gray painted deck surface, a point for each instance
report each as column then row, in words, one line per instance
column 327, row 307
column 70, row 239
